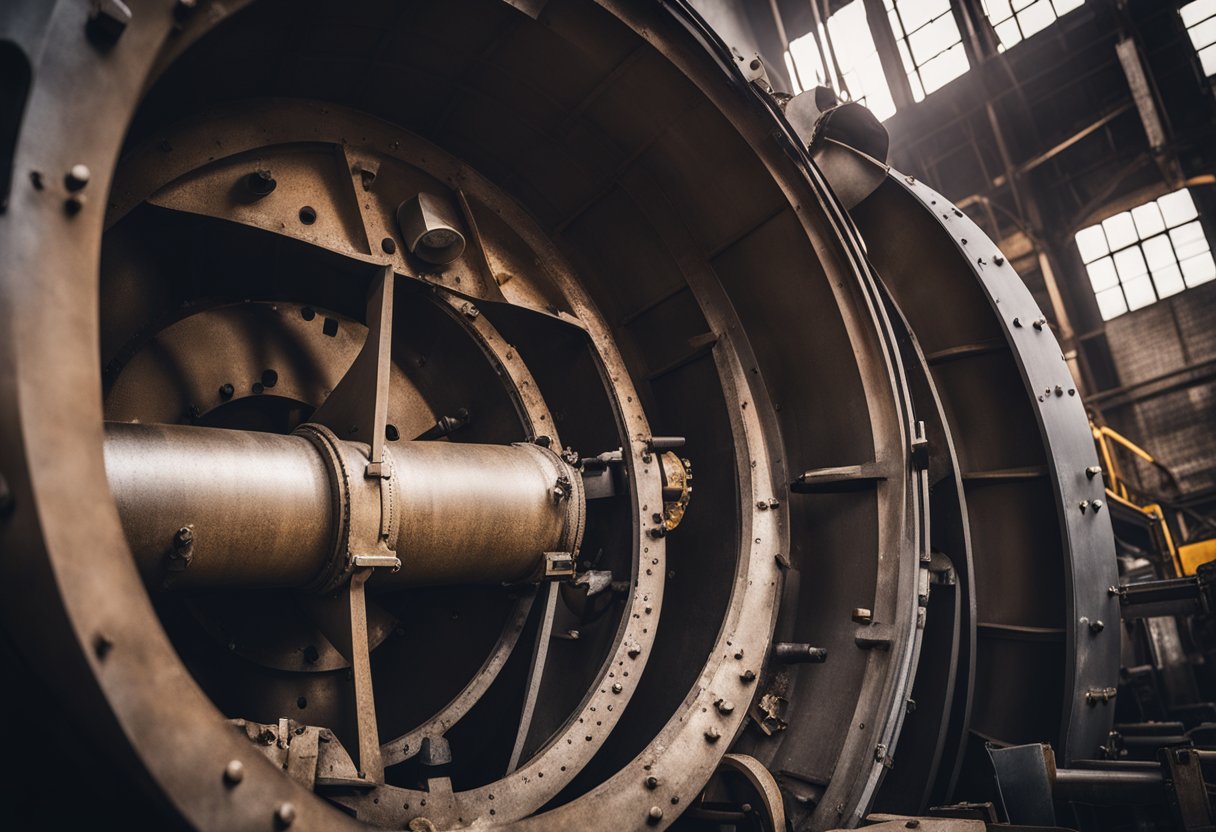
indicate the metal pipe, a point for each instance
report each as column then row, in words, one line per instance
column 1117, row 787
column 270, row 510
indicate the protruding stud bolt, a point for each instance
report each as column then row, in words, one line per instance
column 712, row 735
column 617, row 687
column 1093, row 471
column 725, row 706
column 76, row 178
column 285, row 814
column 635, row 650
column 1096, row 626
column 652, row 782
column 234, row 772
column 654, row 815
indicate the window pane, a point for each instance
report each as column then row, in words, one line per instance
column 859, row 62
column 1148, row 220
column 916, row 13
column 1008, row 32
column 795, row 87
column 1036, row 17
column 1192, row 13
column 1199, row 269
column 1063, row 7
column 1177, row 207
column 1092, row 243
column 906, row 57
column 805, row 57
column 944, row 68
column 1102, row 274
column 1168, row 281
column 998, row 10
column 1204, row 34
column 1130, row 264
column 1189, row 240
column 1207, row 59
column 1120, row 231
column 1139, row 292
column 1111, row 303
column 1158, row 252
column 933, row 39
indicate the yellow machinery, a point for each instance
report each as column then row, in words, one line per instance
column 1186, row 557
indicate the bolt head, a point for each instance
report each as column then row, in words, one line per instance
column 747, row 677
column 655, row 814
column 862, row 615
column 725, row 706
column 652, row 782
column 617, row 687
column 76, row 178
column 712, row 735
column 234, row 772
column 285, row 814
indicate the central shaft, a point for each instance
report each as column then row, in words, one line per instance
column 206, row 507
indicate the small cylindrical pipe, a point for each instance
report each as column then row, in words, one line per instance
column 258, row 504
column 787, row 652
column 263, row 509
column 1115, row 787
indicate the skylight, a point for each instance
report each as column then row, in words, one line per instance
column 1016, row 20
column 929, row 43
column 1148, row 253
column 1200, row 20
column 858, row 57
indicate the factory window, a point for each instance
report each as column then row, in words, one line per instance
column 1145, row 254
column 1200, row 20
column 858, row 58
column 929, row 43
column 1016, row 20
